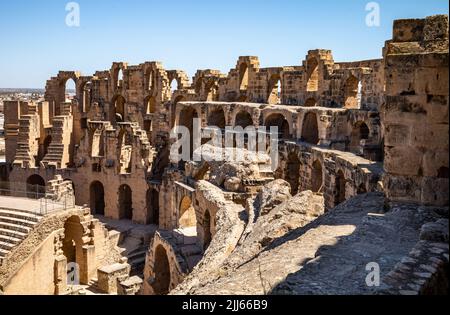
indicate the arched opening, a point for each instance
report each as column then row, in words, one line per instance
column 186, row 119
column 316, row 177
column 339, row 188
column 360, row 131
column 243, row 77
column 120, row 78
column 274, row 90
column 310, row 102
column 150, row 104
column 310, row 129
column 97, row 198
column 119, row 108
column 351, row 92
column 293, row 172
column 72, row 247
column 186, row 213
column 161, row 272
column 125, row 202
column 43, row 150
column 243, row 119
column 207, row 236
column 173, row 85
column 217, row 118
column 312, row 75
column 86, row 97
column 35, row 187
column 69, row 90
column 152, row 201
column 125, row 153
column 279, row 121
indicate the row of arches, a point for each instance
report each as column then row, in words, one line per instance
column 293, row 170
column 125, row 202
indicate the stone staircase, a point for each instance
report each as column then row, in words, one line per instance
column 15, row 225
column 27, row 143
column 58, row 151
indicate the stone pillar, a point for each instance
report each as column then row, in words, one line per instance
column 415, row 115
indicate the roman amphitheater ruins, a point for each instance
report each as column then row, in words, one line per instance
column 92, row 203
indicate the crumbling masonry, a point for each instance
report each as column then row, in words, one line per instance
column 345, row 129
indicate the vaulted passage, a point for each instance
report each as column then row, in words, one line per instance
column 293, row 172
column 340, row 188
column 316, row 177
column 310, row 129
column 35, row 187
column 152, row 201
column 161, row 270
column 97, row 198
column 125, row 202
column 187, row 217
column 360, row 131
column 279, row 121
column 217, row 118
column 243, row 119
column 119, row 108
column 310, row 102
column 73, row 249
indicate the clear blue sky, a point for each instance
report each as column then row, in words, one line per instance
column 188, row 34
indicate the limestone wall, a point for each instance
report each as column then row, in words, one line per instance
column 415, row 117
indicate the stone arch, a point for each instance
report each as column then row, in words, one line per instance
column 125, row 202
column 217, row 118
column 186, row 213
column 280, row 121
column 310, row 129
column 351, row 88
column 243, row 76
column 152, row 201
column 119, row 79
column 274, row 89
column 72, row 247
column 151, row 80
column 86, row 96
column 186, row 119
column 360, row 131
column 243, row 119
column 150, row 105
column 118, row 105
column 125, row 151
column 207, row 235
column 312, row 75
column 310, row 102
column 35, row 186
column 161, row 270
column 340, row 182
column 69, row 84
column 316, row 177
column 292, row 174
column 211, row 89
column 97, row 198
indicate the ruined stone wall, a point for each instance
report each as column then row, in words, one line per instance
column 415, row 117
